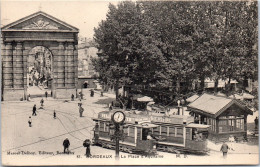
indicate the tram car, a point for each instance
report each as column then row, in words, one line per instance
column 146, row 133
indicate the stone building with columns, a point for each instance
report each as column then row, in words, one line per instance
column 39, row 29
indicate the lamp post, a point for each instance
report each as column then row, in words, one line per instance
column 118, row 119
column 178, row 102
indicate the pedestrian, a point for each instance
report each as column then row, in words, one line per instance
column 80, row 96
column 72, row 97
column 81, row 109
column 86, row 144
column 30, row 122
column 224, row 149
column 34, row 110
column 51, row 93
column 231, row 139
column 101, row 93
column 42, row 101
column 54, row 114
column 66, row 144
column 46, row 94
column 110, row 106
column 92, row 93
column 256, row 122
column 29, row 97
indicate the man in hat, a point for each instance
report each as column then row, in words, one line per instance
column 66, row 144
column 87, row 145
column 224, row 148
column 34, row 110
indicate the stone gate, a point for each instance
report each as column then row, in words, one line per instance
column 39, row 29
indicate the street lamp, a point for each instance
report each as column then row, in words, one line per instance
column 118, row 119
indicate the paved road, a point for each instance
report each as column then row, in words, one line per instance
column 47, row 134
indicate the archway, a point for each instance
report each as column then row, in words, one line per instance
column 39, row 35
column 39, row 71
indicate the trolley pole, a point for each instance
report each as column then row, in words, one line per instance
column 117, row 136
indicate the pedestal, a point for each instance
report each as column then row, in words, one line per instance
column 11, row 94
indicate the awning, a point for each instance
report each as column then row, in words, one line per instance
column 151, row 103
column 199, row 126
column 146, row 125
column 145, row 99
column 248, row 96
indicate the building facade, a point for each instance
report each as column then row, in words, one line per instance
column 226, row 116
column 19, row 38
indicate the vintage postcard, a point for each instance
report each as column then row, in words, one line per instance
column 129, row 82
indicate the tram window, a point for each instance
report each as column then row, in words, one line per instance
column 106, row 128
column 179, row 132
column 171, row 131
column 164, row 130
column 131, row 131
column 101, row 128
column 156, row 131
column 188, row 133
column 125, row 130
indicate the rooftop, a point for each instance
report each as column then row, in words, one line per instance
column 215, row 105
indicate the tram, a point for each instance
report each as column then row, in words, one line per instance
column 147, row 132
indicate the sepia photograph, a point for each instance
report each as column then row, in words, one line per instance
column 133, row 82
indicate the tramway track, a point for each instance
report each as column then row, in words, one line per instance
column 72, row 122
column 29, row 144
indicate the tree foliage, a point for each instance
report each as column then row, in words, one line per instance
column 163, row 43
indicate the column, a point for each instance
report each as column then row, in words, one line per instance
column 217, row 127
column 18, row 66
column 25, row 70
column 76, row 66
column 60, row 66
column 8, row 66
column 66, row 66
column 245, row 123
column 70, row 66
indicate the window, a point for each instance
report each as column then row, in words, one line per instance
column 125, row 130
column 106, row 127
column 239, row 124
column 131, row 131
column 179, row 132
column 156, row 131
column 164, row 130
column 171, row 131
column 101, row 128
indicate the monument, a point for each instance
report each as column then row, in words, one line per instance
column 39, row 30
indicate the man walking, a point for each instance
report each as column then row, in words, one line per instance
column 224, row 149
column 54, row 114
column 30, row 122
column 46, row 94
column 34, row 110
column 66, row 144
column 42, row 101
column 81, row 109
column 72, row 97
column 87, row 145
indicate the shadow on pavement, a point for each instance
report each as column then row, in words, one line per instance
column 105, row 101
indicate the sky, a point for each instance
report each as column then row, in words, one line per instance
column 83, row 14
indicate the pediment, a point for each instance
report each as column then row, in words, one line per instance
column 39, row 21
